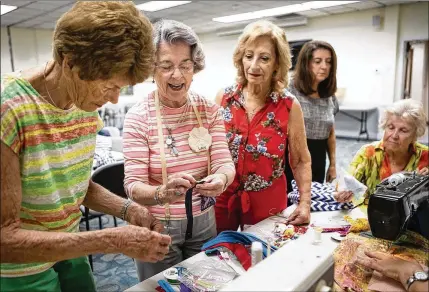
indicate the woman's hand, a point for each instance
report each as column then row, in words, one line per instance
column 213, row 185
column 343, row 196
column 140, row 243
column 423, row 171
column 176, row 188
column 140, row 216
column 331, row 173
column 390, row 266
column 301, row 215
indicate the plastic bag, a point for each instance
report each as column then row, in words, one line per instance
column 347, row 182
column 207, row 275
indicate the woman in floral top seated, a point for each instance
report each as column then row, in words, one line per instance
column 260, row 115
column 403, row 123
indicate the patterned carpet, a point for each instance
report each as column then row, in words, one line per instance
column 116, row 272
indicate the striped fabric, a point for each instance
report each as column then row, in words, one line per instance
column 55, row 149
column 322, row 197
column 142, row 154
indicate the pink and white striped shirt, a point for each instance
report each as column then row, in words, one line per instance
column 142, row 148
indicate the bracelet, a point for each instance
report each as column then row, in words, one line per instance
column 156, row 196
column 125, row 208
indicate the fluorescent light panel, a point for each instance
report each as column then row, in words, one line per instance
column 7, row 8
column 152, row 6
column 280, row 10
column 298, row 21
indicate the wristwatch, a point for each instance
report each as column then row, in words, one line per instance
column 417, row 276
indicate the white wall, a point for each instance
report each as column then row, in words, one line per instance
column 5, row 55
column 31, row 47
column 370, row 60
column 366, row 56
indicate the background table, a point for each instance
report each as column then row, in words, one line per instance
column 364, row 110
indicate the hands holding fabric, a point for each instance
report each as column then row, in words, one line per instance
column 176, row 188
column 213, row 185
column 343, row 196
column 140, row 243
column 142, row 239
column 390, row 266
column 179, row 183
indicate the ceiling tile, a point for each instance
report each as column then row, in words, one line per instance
column 31, row 23
column 47, row 25
column 15, row 2
column 42, row 6
column 197, row 14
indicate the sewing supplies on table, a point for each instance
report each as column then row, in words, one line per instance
column 317, row 235
column 284, row 233
column 338, row 236
column 256, row 251
column 172, row 275
column 166, row 286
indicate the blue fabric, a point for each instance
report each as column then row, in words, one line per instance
column 235, row 237
column 322, row 197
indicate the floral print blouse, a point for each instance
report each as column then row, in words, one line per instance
column 370, row 165
column 258, row 149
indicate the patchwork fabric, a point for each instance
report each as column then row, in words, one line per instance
column 322, row 197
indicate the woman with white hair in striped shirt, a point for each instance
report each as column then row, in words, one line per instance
column 174, row 140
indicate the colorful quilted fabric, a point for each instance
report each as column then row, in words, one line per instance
column 352, row 276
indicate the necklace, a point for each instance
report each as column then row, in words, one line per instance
column 251, row 113
column 170, row 141
column 46, row 87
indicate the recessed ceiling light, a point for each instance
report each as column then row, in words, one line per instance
column 280, row 10
column 7, row 8
column 152, row 6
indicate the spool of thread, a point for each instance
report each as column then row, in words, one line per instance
column 396, row 179
column 317, row 235
column 172, row 276
column 256, row 252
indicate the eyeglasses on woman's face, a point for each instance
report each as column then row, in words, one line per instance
column 168, row 67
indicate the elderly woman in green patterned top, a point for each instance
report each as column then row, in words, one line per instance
column 403, row 123
column 48, row 128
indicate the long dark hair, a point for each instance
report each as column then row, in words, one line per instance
column 303, row 79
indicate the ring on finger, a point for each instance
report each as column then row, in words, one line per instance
column 177, row 193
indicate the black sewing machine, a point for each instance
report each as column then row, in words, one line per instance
column 400, row 202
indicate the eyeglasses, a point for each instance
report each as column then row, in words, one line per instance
column 184, row 68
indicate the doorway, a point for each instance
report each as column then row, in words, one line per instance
column 417, row 71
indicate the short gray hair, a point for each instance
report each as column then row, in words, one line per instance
column 410, row 110
column 171, row 31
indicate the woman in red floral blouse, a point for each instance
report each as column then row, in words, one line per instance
column 259, row 114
